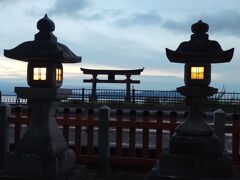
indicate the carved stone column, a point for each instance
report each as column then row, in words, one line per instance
column 42, row 151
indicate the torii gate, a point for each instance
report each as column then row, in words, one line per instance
column 111, row 79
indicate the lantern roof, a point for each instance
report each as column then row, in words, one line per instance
column 43, row 47
column 199, row 48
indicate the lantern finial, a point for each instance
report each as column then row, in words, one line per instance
column 200, row 27
column 45, row 26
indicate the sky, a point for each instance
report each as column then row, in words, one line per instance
column 126, row 34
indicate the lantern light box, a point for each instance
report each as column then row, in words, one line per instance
column 39, row 73
column 47, row 74
column 197, row 72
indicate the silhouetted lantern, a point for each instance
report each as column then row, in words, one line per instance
column 44, row 56
column 198, row 54
column 194, row 149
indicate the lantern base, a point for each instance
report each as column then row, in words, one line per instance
column 197, row 91
column 196, row 145
column 177, row 166
column 194, row 124
column 36, row 166
column 42, row 151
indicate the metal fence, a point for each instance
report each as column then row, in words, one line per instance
column 226, row 98
column 103, row 95
column 119, row 96
column 13, row 99
column 158, row 97
column 138, row 97
column 150, row 97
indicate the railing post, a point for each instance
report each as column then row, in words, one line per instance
column 5, row 111
column 145, row 135
column 17, row 129
column 90, row 133
column 119, row 133
column 219, row 125
column 78, row 132
column 103, row 141
column 83, row 90
column 159, row 134
column 235, row 139
column 66, row 114
column 173, row 122
column 133, row 96
column 132, row 135
column 17, row 100
column 29, row 115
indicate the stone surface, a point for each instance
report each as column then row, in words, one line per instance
column 43, row 135
column 195, row 124
column 174, row 166
column 42, row 151
column 196, row 145
column 75, row 173
column 103, row 141
column 219, row 125
column 197, row 91
column 80, row 172
column 43, row 93
column 195, row 151
column 39, row 166
column 5, row 111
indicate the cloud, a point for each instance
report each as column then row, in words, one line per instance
column 177, row 26
column 69, row 7
column 148, row 18
column 76, row 9
column 4, row 3
column 226, row 21
column 148, row 72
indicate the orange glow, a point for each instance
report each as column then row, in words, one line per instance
column 197, row 73
column 40, row 73
column 58, row 74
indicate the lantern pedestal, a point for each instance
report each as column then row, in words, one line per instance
column 194, row 151
column 190, row 167
column 42, row 151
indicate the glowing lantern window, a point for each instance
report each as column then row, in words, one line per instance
column 58, row 74
column 197, row 73
column 40, row 73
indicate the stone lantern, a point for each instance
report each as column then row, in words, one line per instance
column 42, row 151
column 198, row 54
column 195, row 151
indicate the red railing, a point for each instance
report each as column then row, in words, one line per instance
column 235, row 130
column 124, row 127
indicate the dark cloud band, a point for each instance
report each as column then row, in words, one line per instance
column 226, row 22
